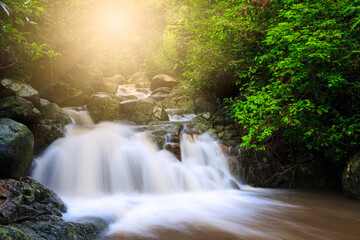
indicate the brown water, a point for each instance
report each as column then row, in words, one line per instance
column 143, row 192
column 301, row 214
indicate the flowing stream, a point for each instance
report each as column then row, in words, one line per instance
column 111, row 172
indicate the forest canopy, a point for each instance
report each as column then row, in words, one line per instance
column 292, row 66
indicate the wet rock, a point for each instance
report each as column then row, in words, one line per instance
column 50, row 126
column 63, row 94
column 142, row 111
column 163, row 80
column 16, row 148
column 22, row 90
column 174, row 148
column 26, row 199
column 139, row 77
column 29, row 210
column 19, row 110
column 351, row 177
column 104, row 107
column 202, row 121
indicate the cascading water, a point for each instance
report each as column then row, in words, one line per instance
column 112, row 172
column 110, row 158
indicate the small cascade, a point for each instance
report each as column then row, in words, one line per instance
column 79, row 117
column 110, row 158
column 130, row 90
column 110, row 171
column 177, row 115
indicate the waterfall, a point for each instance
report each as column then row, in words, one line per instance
column 110, row 158
column 115, row 173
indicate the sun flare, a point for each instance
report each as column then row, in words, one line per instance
column 116, row 23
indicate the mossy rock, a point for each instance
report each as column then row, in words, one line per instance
column 50, row 126
column 22, row 90
column 19, row 110
column 142, row 111
column 63, row 94
column 104, row 107
column 351, row 177
column 16, row 148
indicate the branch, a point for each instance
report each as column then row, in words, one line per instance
column 10, row 65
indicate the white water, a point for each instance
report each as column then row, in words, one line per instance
column 132, row 90
column 176, row 115
column 111, row 172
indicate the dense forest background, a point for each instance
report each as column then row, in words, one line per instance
column 288, row 71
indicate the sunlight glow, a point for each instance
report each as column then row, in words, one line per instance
column 116, row 23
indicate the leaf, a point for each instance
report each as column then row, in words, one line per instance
column 3, row 5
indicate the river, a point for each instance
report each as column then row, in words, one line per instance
column 110, row 172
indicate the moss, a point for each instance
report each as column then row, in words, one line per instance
column 12, row 233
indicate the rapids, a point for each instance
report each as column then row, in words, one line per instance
column 111, row 172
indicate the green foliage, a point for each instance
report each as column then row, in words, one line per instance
column 296, row 64
column 310, row 92
column 18, row 22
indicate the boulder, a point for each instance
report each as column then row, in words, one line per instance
column 162, row 80
column 139, row 77
column 351, row 177
column 26, row 199
column 63, row 94
column 162, row 90
column 30, row 211
column 104, row 107
column 22, row 90
column 50, row 126
column 178, row 99
column 108, row 85
column 19, row 110
column 142, row 111
column 16, row 148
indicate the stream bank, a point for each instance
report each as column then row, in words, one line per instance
column 148, row 106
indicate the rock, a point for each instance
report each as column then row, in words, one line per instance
column 351, row 177
column 165, row 133
column 104, row 107
column 142, row 111
column 174, row 148
column 142, row 85
column 26, row 199
column 160, row 94
column 19, row 110
column 178, row 99
column 22, row 90
column 163, row 80
column 5, row 91
column 202, row 122
column 162, row 90
column 29, row 210
column 63, row 94
column 108, row 85
column 159, row 97
column 50, row 126
column 139, row 77
column 16, row 148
